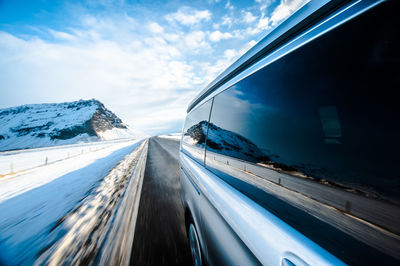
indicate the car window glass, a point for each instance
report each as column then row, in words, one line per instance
column 195, row 131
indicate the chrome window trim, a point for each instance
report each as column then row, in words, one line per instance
column 255, row 226
column 208, row 123
column 334, row 20
column 344, row 210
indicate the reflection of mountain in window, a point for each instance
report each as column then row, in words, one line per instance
column 196, row 134
column 195, row 129
column 232, row 144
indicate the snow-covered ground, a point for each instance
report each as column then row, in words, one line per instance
column 117, row 133
column 174, row 136
column 34, row 202
column 19, row 160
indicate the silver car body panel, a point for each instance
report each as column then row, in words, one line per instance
column 267, row 237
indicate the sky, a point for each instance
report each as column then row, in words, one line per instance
column 145, row 60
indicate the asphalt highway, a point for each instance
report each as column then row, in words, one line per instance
column 160, row 237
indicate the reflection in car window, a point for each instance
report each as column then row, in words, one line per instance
column 233, row 144
column 327, row 110
column 195, row 131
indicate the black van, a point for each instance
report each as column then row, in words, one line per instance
column 291, row 156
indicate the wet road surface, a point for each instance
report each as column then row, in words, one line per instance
column 160, row 237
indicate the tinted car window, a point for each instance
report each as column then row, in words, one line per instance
column 195, row 131
column 326, row 112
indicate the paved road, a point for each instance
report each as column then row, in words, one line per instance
column 160, row 237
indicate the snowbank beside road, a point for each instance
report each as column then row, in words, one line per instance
column 33, row 204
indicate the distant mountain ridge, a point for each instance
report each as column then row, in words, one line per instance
column 38, row 125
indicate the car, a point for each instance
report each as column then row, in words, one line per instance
column 291, row 155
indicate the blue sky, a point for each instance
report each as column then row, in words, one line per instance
column 145, row 60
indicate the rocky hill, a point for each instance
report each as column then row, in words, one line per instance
column 39, row 125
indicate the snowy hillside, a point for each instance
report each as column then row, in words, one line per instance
column 39, row 125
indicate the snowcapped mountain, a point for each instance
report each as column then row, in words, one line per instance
column 39, row 125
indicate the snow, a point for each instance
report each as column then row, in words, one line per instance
column 20, row 160
column 41, row 125
column 88, row 225
column 117, row 133
column 173, row 136
column 43, row 118
column 35, row 115
column 33, row 201
column 29, row 141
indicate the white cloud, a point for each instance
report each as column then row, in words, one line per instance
column 216, row 36
column 226, row 20
column 145, row 72
column 264, row 4
column 212, row 70
column 262, row 26
column 248, row 17
column 263, row 23
column 146, row 75
column 188, row 16
column 62, row 35
column 155, row 27
column 229, row 6
column 233, row 54
column 196, row 40
column 248, row 46
column 172, row 37
column 230, row 53
column 285, row 9
column 267, row 22
column 146, row 82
